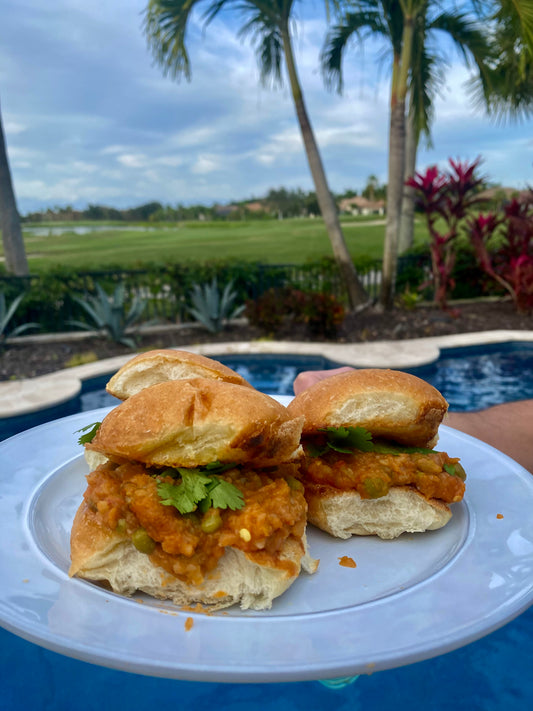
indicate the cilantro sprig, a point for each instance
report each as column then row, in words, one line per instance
column 346, row 439
column 200, row 489
column 90, row 433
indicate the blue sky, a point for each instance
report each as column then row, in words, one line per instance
column 89, row 118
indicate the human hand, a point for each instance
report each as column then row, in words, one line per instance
column 307, row 378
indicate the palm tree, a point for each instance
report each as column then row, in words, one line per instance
column 15, row 254
column 427, row 75
column 268, row 22
column 405, row 25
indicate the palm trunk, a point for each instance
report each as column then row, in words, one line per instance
column 396, row 166
column 394, row 206
column 407, row 221
column 354, row 289
column 14, row 252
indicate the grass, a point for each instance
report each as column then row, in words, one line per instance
column 290, row 241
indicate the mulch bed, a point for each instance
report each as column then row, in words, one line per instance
column 31, row 359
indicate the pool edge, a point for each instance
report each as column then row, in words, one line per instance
column 26, row 396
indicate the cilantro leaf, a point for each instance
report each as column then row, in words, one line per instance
column 199, row 490
column 217, row 467
column 226, row 496
column 346, row 439
column 186, row 495
column 450, row 469
column 90, row 430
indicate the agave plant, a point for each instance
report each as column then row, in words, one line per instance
column 7, row 313
column 212, row 308
column 110, row 314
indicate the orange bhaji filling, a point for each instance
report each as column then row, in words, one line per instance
column 372, row 474
column 125, row 499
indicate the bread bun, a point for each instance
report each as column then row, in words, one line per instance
column 388, row 403
column 403, row 510
column 160, row 365
column 191, row 423
column 100, row 555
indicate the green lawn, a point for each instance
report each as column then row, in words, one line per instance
column 271, row 241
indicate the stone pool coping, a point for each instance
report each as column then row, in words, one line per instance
column 21, row 397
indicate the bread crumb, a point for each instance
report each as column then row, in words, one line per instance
column 499, row 515
column 188, row 624
column 347, row 562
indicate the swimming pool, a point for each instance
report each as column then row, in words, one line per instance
column 470, row 378
column 490, row 674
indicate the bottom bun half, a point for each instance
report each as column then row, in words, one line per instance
column 100, row 556
column 403, row 510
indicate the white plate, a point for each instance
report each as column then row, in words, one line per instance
column 407, row 600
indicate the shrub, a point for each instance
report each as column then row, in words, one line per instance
column 269, row 311
column 279, row 308
column 448, row 196
column 213, row 307
column 111, row 314
column 7, row 313
column 321, row 313
column 504, row 248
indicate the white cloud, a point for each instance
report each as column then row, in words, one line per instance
column 132, row 160
column 206, row 164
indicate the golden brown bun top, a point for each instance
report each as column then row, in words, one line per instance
column 388, row 403
column 193, row 422
column 160, row 365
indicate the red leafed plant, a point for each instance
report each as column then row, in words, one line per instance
column 510, row 260
column 449, row 196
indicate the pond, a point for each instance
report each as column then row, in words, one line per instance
column 80, row 229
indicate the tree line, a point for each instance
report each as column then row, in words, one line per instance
column 277, row 203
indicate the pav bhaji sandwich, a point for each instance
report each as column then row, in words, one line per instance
column 369, row 464
column 197, row 500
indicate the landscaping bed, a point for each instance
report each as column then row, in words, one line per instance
column 22, row 360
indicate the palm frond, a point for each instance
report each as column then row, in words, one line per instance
column 165, row 25
column 520, row 14
column 268, row 42
column 355, row 26
column 470, row 39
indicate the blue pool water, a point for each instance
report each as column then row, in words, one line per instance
column 488, row 675
column 475, row 377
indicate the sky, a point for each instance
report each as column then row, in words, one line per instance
column 89, row 118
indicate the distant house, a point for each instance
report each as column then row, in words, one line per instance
column 256, row 206
column 359, row 205
column 224, row 210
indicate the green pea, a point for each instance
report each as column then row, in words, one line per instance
column 142, row 541
column 294, row 483
column 375, row 487
column 211, row 521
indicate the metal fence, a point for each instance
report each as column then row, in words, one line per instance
column 50, row 298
